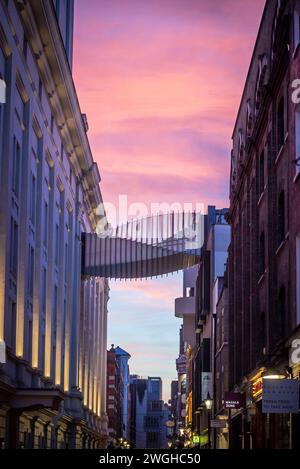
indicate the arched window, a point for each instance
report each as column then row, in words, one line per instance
column 241, row 145
column 281, row 217
column 260, row 82
column 262, row 253
column 281, row 312
column 249, row 118
column 261, row 173
column 280, row 123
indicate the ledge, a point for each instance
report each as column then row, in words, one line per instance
column 261, row 278
column 279, row 154
column 34, row 399
column 281, row 245
column 296, row 178
column 261, row 197
column 45, row 40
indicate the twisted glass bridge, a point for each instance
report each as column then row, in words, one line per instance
column 144, row 248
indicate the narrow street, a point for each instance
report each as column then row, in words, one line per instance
column 150, row 229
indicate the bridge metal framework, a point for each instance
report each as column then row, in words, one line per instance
column 144, row 248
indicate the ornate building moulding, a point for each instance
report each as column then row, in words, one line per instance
column 45, row 41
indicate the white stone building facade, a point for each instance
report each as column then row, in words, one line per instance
column 53, row 323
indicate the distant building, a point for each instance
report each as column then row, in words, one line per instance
column 185, row 309
column 209, row 286
column 148, row 413
column 123, row 392
column 112, row 395
column 197, row 309
column 53, row 322
column 181, row 372
column 174, row 400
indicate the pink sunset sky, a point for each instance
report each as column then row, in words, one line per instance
column 160, row 82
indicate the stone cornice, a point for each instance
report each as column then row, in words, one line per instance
column 45, row 40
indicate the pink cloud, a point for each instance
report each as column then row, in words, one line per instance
column 155, row 75
column 160, row 82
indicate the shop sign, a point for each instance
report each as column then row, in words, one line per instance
column 196, row 439
column 257, row 388
column 219, row 423
column 294, row 356
column 203, row 440
column 234, row 400
column 280, row 396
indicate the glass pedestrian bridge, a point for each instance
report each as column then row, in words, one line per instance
column 144, row 248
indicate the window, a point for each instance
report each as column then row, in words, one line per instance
column 25, row 47
column 249, row 118
column 44, row 287
column 281, row 217
column 68, row 32
column 262, row 333
column 70, row 221
column 13, row 324
column 261, row 173
column 32, row 198
column 56, row 244
column 298, row 277
column 241, row 144
column 54, row 329
column 297, row 137
column 66, row 262
column 155, row 405
column 64, row 326
column 43, row 304
column 29, row 341
column 30, row 271
column 57, row 7
column 262, row 253
column 70, row 175
column 14, row 241
column 40, row 89
column 45, row 224
column 280, row 124
column 281, row 312
column 16, row 168
column 2, row 100
column 54, row 311
column 296, row 28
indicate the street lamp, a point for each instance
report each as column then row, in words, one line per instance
column 208, row 404
column 272, row 373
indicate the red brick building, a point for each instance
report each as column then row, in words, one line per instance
column 264, row 257
column 112, row 395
